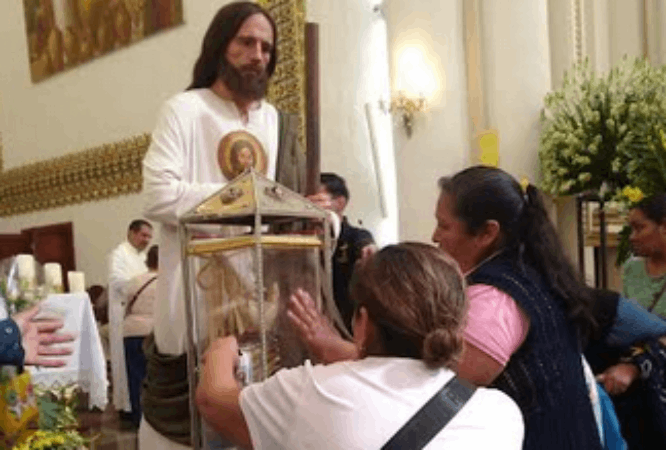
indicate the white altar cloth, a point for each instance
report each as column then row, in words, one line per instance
column 86, row 366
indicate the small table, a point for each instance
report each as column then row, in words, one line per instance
column 86, row 366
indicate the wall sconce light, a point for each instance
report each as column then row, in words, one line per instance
column 407, row 107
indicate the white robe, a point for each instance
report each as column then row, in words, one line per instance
column 179, row 171
column 125, row 263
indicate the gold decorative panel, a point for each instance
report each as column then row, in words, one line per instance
column 287, row 88
column 115, row 169
column 93, row 174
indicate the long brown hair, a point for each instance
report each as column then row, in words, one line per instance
column 221, row 31
column 484, row 193
column 414, row 295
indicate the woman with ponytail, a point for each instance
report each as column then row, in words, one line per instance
column 410, row 311
column 529, row 311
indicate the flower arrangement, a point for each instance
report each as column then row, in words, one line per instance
column 53, row 440
column 19, row 300
column 605, row 131
column 605, row 134
column 56, row 427
column 57, row 408
column 57, row 422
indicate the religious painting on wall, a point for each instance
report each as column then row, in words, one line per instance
column 65, row 33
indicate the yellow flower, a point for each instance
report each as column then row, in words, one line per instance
column 634, row 194
column 524, row 182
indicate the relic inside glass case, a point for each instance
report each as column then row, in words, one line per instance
column 246, row 249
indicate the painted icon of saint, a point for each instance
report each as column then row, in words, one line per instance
column 238, row 151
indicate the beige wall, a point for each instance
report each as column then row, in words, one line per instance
column 108, row 99
column 516, row 75
column 439, row 143
column 118, row 95
column 526, row 44
column 354, row 79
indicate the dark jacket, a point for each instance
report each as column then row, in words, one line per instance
column 545, row 375
column 348, row 250
column 11, row 351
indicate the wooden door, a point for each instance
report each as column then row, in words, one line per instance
column 14, row 244
column 54, row 243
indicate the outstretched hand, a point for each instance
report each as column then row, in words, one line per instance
column 368, row 251
column 38, row 337
column 617, row 379
column 316, row 332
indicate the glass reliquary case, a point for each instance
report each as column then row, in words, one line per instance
column 245, row 250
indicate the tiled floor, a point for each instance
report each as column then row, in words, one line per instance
column 107, row 430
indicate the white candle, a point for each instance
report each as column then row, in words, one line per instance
column 76, row 281
column 53, row 276
column 26, row 269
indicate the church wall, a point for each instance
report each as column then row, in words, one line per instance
column 119, row 94
column 516, row 75
column 353, row 82
column 439, row 143
column 516, row 53
column 106, row 100
column 526, row 44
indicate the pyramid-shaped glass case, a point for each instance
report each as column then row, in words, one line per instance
column 245, row 250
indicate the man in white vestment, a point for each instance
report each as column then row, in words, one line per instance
column 126, row 261
column 200, row 133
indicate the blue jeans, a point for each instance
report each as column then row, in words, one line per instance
column 135, row 362
column 633, row 323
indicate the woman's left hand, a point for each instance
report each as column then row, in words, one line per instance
column 38, row 339
column 318, row 335
column 617, row 379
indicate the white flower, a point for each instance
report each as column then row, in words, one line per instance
column 585, row 177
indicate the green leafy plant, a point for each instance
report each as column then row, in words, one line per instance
column 58, row 421
column 604, row 130
column 57, row 408
column 16, row 302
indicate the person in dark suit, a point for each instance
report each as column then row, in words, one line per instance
column 353, row 243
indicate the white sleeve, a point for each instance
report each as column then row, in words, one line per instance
column 119, row 269
column 119, row 274
column 269, row 407
column 167, row 194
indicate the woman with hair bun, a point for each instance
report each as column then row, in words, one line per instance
column 529, row 311
column 410, row 311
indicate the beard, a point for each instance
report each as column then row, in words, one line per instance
column 247, row 82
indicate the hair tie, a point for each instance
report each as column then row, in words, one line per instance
column 524, row 185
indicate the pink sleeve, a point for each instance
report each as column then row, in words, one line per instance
column 495, row 323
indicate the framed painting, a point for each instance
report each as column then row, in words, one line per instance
column 65, row 33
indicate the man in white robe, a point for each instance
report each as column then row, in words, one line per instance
column 126, row 261
column 182, row 168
